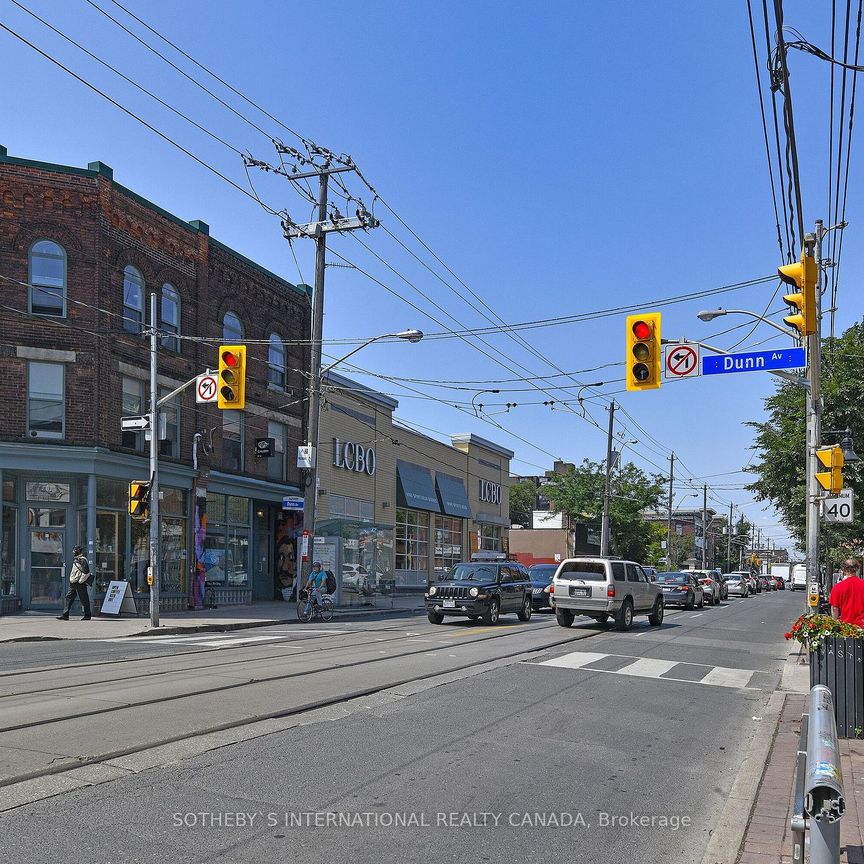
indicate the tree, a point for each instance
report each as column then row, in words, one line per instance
column 781, row 440
column 523, row 499
column 579, row 494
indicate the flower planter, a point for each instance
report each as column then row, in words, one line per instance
column 838, row 663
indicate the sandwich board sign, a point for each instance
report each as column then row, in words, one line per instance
column 118, row 598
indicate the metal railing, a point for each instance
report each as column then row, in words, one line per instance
column 819, row 803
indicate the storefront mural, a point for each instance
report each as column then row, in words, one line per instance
column 198, row 581
column 286, row 556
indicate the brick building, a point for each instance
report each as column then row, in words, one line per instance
column 80, row 256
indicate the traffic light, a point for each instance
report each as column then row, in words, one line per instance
column 643, row 351
column 832, row 479
column 232, row 376
column 139, row 499
column 803, row 276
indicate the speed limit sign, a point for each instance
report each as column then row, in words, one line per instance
column 838, row 508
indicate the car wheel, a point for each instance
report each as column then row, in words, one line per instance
column 624, row 618
column 702, row 601
column 564, row 617
column 435, row 618
column 491, row 615
column 656, row 617
column 691, row 604
column 524, row 614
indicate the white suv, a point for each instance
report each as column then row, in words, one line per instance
column 601, row 588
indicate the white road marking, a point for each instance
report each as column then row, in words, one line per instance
column 647, row 667
column 724, row 677
column 573, row 661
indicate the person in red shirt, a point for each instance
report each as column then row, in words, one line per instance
column 847, row 596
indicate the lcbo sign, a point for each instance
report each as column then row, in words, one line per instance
column 353, row 457
column 490, row 492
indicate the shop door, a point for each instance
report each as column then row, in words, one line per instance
column 47, row 529
column 263, row 582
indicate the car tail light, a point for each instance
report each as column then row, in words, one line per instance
column 610, row 591
column 550, row 589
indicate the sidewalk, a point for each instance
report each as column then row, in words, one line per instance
column 768, row 838
column 33, row 626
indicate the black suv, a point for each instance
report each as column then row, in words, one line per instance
column 481, row 589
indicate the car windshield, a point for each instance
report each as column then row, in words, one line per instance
column 473, row 573
column 672, row 578
column 590, row 571
column 541, row 574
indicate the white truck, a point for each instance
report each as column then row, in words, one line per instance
column 784, row 571
column 799, row 577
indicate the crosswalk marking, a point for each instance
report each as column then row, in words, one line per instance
column 650, row 667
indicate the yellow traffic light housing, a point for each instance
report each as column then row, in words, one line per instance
column 643, row 363
column 232, row 377
column 803, row 276
column 139, row 500
column 832, row 479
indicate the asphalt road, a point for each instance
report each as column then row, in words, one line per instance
column 538, row 760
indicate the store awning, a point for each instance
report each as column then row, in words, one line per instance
column 452, row 495
column 415, row 487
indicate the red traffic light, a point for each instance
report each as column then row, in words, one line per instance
column 642, row 330
column 229, row 358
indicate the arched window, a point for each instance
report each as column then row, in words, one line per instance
column 170, row 315
column 276, row 362
column 133, row 300
column 47, row 278
column 232, row 328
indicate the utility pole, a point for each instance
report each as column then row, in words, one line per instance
column 729, row 540
column 669, row 517
column 607, row 489
column 814, row 414
column 154, row 573
column 704, row 526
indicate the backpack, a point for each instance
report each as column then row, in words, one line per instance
column 330, row 583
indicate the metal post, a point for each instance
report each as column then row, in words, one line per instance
column 814, row 418
column 669, row 517
column 704, row 526
column 607, row 489
column 729, row 541
column 154, row 466
column 310, row 499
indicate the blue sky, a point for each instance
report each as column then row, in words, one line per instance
column 560, row 157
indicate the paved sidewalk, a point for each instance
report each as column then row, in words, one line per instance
column 768, row 839
column 32, row 626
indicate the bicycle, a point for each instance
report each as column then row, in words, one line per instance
column 306, row 611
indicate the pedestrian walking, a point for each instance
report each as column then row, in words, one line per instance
column 79, row 578
column 847, row 596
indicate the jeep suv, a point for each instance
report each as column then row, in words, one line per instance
column 481, row 589
column 601, row 588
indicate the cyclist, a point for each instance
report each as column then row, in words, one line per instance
column 316, row 581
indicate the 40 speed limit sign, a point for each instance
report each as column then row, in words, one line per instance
column 838, row 508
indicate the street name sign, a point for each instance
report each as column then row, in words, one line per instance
column 838, row 508
column 128, row 424
column 292, row 502
column 682, row 361
column 754, row 361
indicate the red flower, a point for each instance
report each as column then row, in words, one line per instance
column 787, row 635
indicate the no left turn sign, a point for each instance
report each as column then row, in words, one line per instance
column 205, row 388
column 682, row 361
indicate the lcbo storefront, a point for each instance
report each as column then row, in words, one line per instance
column 230, row 544
column 396, row 509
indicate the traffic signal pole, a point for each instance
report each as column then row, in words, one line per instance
column 605, row 528
column 669, row 514
column 154, row 467
column 814, row 416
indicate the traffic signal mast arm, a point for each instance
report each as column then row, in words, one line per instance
column 182, row 387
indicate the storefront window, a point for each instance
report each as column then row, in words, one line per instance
column 174, row 542
column 173, row 571
column 448, row 544
column 490, row 538
column 110, row 554
column 412, row 540
column 215, row 507
column 110, row 493
column 238, row 510
column 8, row 490
column 352, row 508
column 226, row 547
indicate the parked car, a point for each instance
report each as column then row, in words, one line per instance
column 481, row 589
column 712, row 588
column 355, row 577
column 799, row 577
column 651, row 573
column 601, row 588
column 541, row 585
column 720, row 576
column 779, row 583
column 766, row 582
column 682, row 589
column 738, row 584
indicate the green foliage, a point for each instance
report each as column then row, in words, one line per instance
column 523, row 498
column 579, row 494
column 780, row 440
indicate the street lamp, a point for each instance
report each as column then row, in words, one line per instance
column 310, row 499
column 849, row 454
column 711, row 314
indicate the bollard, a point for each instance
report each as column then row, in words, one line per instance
column 824, row 804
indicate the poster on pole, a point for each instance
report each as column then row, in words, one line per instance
column 118, row 598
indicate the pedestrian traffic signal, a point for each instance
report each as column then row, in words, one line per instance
column 803, row 276
column 832, row 479
column 232, row 376
column 139, row 499
column 643, row 351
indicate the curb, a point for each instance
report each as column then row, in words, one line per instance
column 726, row 841
column 217, row 628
